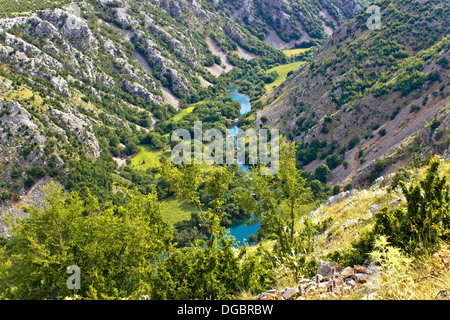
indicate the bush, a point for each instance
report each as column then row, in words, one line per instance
column 402, row 174
column 322, row 172
column 414, row 108
column 336, row 190
column 264, row 119
column 418, row 227
column 380, row 164
column 353, row 142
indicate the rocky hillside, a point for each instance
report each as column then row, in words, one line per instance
column 386, row 273
column 370, row 94
column 82, row 83
column 284, row 23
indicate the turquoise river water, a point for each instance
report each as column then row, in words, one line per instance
column 238, row 230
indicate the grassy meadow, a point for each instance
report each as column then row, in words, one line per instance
column 283, row 71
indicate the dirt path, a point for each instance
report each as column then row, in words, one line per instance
column 204, row 83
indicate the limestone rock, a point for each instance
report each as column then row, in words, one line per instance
column 326, row 268
column 347, row 272
column 335, row 199
column 60, row 85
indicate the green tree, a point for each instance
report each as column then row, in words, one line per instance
column 114, row 248
column 185, row 180
column 274, row 200
column 322, row 172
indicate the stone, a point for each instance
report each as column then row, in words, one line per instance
column 361, row 277
column 347, row 272
column 349, row 223
column 374, row 209
column 370, row 296
column 334, row 199
column 291, row 293
column 352, row 283
column 360, row 269
column 304, row 281
column 323, row 287
column 267, row 296
column 318, row 278
column 326, row 268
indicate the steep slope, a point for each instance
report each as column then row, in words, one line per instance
column 368, row 93
column 283, row 23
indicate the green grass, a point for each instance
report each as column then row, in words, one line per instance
column 12, row 8
column 176, row 210
column 147, row 157
column 294, row 52
column 182, row 113
column 282, row 71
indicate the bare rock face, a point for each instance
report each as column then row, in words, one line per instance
column 60, row 85
column 72, row 27
column 34, row 197
column 81, row 127
column 138, row 90
column 326, row 268
column 16, row 120
column 21, row 141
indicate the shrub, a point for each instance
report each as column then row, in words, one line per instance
column 322, row 172
column 417, row 229
column 414, row 108
column 264, row 119
column 353, row 142
column 336, row 190
column 402, row 174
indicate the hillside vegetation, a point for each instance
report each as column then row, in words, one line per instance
column 91, row 93
column 369, row 94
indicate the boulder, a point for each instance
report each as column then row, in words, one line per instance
column 360, row 269
column 335, row 199
column 347, row 272
column 291, row 293
column 326, row 268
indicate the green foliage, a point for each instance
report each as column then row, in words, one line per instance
column 274, row 201
column 380, row 164
column 402, row 174
column 10, row 8
column 114, row 248
column 322, row 172
column 395, row 265
column 212, row 273
column 418, row 228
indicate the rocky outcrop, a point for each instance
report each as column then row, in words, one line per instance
column 21, row 140
column 138, row 90
column 331, row 282
column 60, row 85
column 81, row 127
column 335, row 199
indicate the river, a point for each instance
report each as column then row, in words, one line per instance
column 238, row 230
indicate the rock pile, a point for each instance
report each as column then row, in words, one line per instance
column 329, row 282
